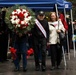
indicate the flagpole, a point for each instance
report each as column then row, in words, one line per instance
column 62, row 45
column 72, row 31
column 56, row 10
column 67, row 36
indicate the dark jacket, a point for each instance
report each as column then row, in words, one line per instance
column 36, row 31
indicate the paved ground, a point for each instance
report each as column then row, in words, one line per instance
column 7, row 68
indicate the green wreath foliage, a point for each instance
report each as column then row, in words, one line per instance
column 11, row 26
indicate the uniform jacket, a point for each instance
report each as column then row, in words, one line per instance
column 36, row 31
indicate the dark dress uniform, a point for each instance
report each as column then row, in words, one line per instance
column 39, row 44
column 3, row 37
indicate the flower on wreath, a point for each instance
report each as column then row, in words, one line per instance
column 21, row 19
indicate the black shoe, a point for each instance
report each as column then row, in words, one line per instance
column 3, row 61
column 16, row 69
column 6, row 60
column 37, row 68
column 43, row 68
column 58, row 67
column 52, row 68
column 24, row 69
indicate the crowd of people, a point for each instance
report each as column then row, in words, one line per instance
column 45, row 33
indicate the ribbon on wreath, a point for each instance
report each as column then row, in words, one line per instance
column 13, row 52
column 30, row 52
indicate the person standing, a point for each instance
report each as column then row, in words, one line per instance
column 55, row 27
column 40, row 34
column 19, row 43
column 3, row 37
column 65, row 24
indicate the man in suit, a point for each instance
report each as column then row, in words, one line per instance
column 40, row 34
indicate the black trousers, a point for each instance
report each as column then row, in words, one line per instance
column 3, row 47
column 39, row 45
column 56, row 55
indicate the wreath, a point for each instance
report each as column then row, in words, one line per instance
column 20, row 19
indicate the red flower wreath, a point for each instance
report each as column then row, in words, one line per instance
column 21, row 19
